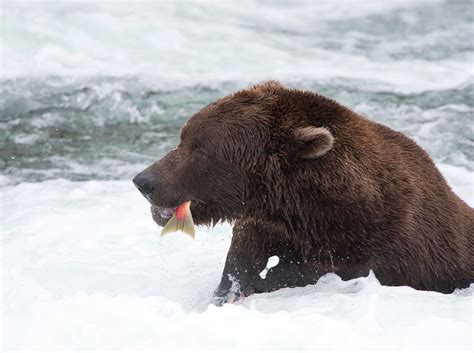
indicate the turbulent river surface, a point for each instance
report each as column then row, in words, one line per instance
column 93, row 92
column 96, row 91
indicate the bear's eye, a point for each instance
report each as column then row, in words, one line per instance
column 197, row 148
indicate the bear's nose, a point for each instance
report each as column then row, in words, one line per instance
column 144, row 183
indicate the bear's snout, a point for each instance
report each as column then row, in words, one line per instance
column 144, row 182
column 159, row 186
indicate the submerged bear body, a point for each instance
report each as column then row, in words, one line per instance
column 324, row 189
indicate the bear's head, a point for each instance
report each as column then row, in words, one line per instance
column 236, row 156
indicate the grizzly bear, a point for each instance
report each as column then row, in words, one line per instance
column 326, row 190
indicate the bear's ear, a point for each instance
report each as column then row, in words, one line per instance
column 313, row 141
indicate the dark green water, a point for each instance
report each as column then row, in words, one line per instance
column 109, row 128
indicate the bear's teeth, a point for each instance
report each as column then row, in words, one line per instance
column 166, row 212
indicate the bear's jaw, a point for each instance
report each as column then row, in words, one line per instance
column 161, row 215
column 203, row 212
column 166, row 212
column 210, row 214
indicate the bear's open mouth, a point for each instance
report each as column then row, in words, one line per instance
column 165, row 212
column 161, row 215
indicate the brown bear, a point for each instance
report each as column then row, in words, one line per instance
column 326, row 190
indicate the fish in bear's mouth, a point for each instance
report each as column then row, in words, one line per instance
column 177, row 219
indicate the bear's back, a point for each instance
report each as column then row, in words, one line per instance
column 436, row 227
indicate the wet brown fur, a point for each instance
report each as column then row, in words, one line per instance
column 374, row 201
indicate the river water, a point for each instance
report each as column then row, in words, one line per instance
column 92, row 92
column 97, row 91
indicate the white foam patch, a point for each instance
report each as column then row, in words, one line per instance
column 84, row 268
column 272, row 262
column 205, row 41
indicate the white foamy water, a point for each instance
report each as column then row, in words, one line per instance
column 84, row 268
column 402, row 45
